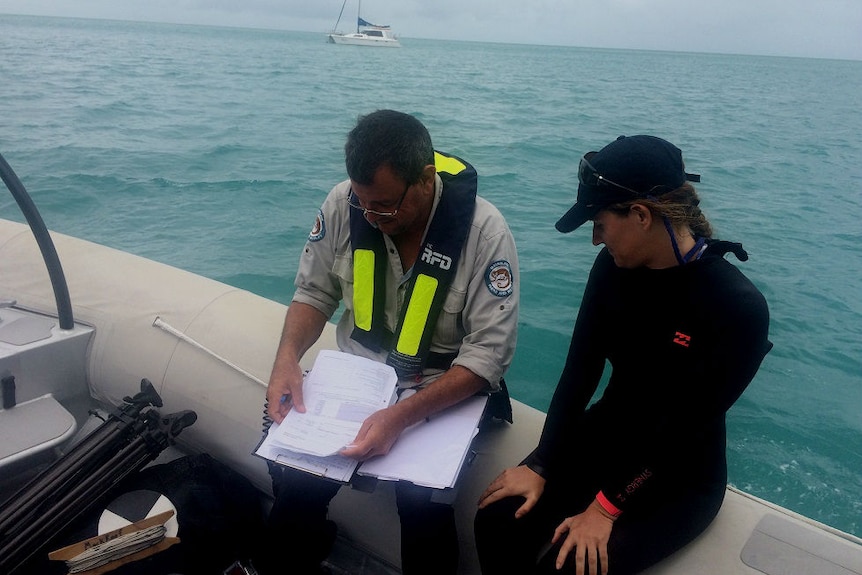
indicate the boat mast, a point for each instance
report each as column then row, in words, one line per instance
column 343, row 4
column 358, row 14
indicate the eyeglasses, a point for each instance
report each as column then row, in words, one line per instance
column 353, row 201
column 589, row 176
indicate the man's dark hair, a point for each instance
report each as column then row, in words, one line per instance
column 387, row 137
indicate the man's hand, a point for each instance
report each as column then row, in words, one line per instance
column 515, row 481
column 377, row 435
column 284, row 392
column 303, row 324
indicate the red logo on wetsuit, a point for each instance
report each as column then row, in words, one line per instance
column 682, row 339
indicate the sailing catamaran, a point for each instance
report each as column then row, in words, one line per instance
column 367, row 34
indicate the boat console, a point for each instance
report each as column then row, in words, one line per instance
column 41, row 366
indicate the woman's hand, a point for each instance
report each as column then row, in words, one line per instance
column 588, row 534
column 515, row 481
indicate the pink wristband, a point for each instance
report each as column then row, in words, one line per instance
column 607, row 505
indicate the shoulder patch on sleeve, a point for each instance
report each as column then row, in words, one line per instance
column 318, row 230
column 499, row 278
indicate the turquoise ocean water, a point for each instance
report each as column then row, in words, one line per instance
column 211, row 148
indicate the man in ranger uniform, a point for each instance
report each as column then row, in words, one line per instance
column 428, row 272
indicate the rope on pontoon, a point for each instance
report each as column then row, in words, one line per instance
column 161, row 324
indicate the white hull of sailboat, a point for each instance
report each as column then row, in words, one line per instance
column 364, row 40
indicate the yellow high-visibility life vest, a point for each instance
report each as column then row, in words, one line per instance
column 433, row 272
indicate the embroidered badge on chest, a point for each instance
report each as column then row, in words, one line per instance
column 319, row 228
column 499, row 278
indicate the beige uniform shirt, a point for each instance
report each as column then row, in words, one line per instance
column 479, row 319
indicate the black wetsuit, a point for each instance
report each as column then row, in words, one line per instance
column 683, row 343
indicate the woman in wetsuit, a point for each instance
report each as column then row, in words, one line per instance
column 621, row 483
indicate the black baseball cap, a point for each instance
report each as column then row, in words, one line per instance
column 630, row 167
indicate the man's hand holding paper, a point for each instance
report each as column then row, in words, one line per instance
column 340, row 393
column 376, row 436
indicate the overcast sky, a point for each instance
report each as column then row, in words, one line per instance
column 815, row 28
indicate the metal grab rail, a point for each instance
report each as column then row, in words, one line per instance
column 46, row 244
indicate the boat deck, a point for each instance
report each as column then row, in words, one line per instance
column 348, row 559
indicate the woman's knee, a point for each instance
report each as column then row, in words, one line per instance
column 496, row 522
column 502, row 511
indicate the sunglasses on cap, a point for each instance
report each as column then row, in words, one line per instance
column 589, row 176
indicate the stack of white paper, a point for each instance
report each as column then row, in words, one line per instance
column 339, row 392
column 431, row 453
